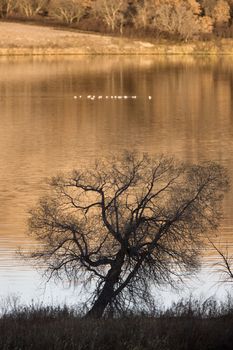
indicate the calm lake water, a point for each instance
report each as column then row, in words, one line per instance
column 45, row 130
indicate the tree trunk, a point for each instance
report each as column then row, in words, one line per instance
column 107, row 293
column 102, row 301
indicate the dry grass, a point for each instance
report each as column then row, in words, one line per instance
column 26, row 39
column 185, row 326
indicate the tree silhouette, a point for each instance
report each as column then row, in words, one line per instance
column 224, row 266
column 126, row 224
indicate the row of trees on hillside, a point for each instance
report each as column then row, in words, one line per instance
column 185, row 19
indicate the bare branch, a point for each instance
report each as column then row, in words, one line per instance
column 128, row 222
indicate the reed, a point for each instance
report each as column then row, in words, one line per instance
column 187, row 324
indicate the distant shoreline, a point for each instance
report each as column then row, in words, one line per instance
column 18, row 39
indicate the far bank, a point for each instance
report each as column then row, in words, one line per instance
column 26, row 39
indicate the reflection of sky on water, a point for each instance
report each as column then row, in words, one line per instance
column 30, row 287
column 45, row 130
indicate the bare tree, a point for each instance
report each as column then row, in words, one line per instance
column 112, row 12
column 178, row 17
column 68, row 11
column 144, row 14
column 30, row 8
column 225, row 265
column 7, row 7
column 126, row 224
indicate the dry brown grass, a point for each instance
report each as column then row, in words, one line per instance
column 189, row 325
column 21, row 39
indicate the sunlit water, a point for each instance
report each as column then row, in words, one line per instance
column 44, row 130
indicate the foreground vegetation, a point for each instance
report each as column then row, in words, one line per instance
column 186, row 325
column 172, row 19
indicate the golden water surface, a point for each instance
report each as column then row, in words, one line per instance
column 44, row 129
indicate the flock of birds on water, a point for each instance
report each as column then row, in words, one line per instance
column 112, row 97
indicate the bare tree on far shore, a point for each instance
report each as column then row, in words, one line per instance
column 7, row 7
column 112, row 12
column 30, row 8
column 68, row 11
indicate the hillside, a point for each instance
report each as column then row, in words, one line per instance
column 26, row 39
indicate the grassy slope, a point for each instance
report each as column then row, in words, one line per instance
column 21, row 39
